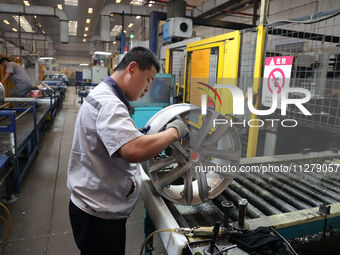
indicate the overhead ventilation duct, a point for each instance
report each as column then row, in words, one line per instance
column 40, row 11
column 119, row 9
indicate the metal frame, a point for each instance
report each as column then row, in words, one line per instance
column 29, row 146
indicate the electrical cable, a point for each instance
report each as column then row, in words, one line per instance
column 151, row 235
column 285, row 241
column 9, row 227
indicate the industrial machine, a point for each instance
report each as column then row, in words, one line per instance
column 161, row 94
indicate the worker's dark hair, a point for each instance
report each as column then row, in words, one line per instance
column 144, row 58
column 4, row 59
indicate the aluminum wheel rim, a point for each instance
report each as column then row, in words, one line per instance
column 180, row 177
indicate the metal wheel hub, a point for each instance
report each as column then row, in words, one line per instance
column 186, row 172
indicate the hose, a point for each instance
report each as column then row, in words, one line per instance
column 151, row 235
column 9, row 227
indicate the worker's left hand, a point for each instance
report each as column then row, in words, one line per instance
column 145, row 129
column 180, row 126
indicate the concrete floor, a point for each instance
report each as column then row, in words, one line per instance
column 40, row 214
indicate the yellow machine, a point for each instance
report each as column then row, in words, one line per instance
column 216, row 60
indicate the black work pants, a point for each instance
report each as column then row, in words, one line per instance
column 96, row 236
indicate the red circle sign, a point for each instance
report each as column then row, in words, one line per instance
column 277, row 72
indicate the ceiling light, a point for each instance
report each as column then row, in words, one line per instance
column 45, row 58
column 14, row 29
column 83, row 64
column 6, row 22
column 72, row 27
column 116, row 30
column 124, row 31
column 138, row 17
column 118, row 1
column 35, row 16
column 24, row 24
column 102, row 53
column 59, row 6
column 26, row 3
column 71, row 2
column 85, row 35
column 111, row 14
column 84, row 40
column 114, row 42
column 137, row 2
column 130, row 25
column 86, row 28
column 88, row 21
column 150, row 5
column 90, row 10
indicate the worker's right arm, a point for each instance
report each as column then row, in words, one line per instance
column 117, row 131
column 7, row 74
column 147, row 146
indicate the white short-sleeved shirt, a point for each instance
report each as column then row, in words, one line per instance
column 102, row 183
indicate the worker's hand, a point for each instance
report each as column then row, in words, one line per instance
column 3, row 81
column 145, row 129
column 180, row 126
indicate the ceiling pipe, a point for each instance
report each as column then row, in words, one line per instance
column 241, row 13
column 40, row 11
column 143, row 11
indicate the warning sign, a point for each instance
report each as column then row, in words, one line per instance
column 276, row 77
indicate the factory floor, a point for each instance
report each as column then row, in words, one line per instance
column 40, row 214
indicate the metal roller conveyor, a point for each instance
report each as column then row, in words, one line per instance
column 288, row 202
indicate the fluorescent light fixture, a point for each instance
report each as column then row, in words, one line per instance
column 103, row 53
column 71, row 2
column 88, row 21
column 72, row 27
column 83, row 64
column 137, row 2
column 114, row 42
column 130, row 25
column 24, row 24
column 116, row 30
column 138, row 17
column 26, row 3
column 84, row 40
column 151, row 2
column 85, row 35
column 90, row 10
column 45, row 58
column 14, row 29
column 59, row 6
column 118, row 1
column 86, row 28
column 6, row 22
